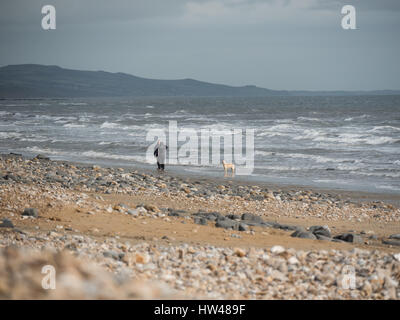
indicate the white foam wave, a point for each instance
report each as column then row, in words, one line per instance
column 109, row 125
column 353, row 138
column 377, row 174
column 388, row 187
column 73, row 125
column 9, row 135
column 308, row 119
column 384, row 129
column 73, row 103
column 357, row 117
column 103, row 155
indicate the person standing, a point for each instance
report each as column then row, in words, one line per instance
column 160, row 151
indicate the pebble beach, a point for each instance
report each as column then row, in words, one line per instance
column 122, row 233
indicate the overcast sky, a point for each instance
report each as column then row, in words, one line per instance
column 277, row 44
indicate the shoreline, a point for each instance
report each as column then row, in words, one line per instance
column 350, row 195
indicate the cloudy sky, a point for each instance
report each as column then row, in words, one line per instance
column 277, row 44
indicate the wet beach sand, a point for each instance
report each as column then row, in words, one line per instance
column 170, row 236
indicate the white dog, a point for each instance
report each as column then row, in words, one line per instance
column 228, row 166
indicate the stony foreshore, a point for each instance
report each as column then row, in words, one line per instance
column 120, row 233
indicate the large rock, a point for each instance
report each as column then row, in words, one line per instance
column 395, row 236
column 31, row 212
column 287, row 227
column 321, row 237
column 252, row 218
column 41, row 157
column 391, row 242
column 200, row 220
column 177, row 213
column 6, row 224
column 227, row 224
column 349, row 237
column 321, row 230
column 212, row 216
column 303, row 235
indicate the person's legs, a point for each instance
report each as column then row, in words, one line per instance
column 159, row 166
column 162, row 167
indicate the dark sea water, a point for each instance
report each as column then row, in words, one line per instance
column 348, row 143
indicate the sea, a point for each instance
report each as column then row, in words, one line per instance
column 335, row 142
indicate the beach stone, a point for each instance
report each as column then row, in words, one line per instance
column 6, row 224
column 152, row 208
column 293, row 260
column 10, row 176
column 31, row 212
column 177, row 213
column 324, row 238
column 212, row 216
column 287, row 227
column 41, row 157
column 227, row 224
column 349, row 237
column 200, row 221
column 277, row 275
column 133, row 212
column 142, row 258
column 252, row 217
column 243, row 227
column 277, row 249
column 395, row 236
column 111, row 254
column 239, row 252
column 303, row 235
column 321, row 230
column 391, row 242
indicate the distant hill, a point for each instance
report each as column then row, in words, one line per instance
column 39, row 81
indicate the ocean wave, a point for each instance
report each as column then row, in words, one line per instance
column 357, row 117
column 309, row 119
column 34, row 139
column 284, row 168
column 388, row 187
column 315, row 158
column 384, row 129
column 72, row 103
column 283, row 129
column 103, row 155
column 109, row 125
column 9, row 135
column 74, row 125
column 264, row 153
column 87, row 154
column 353, row 138
column 309, row 134
column 377, row 174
